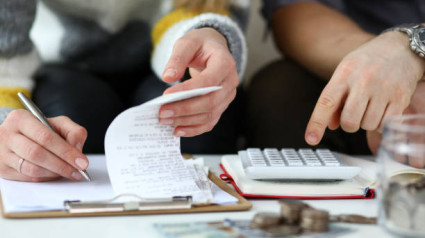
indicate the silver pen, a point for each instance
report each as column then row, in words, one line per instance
column 30, row 106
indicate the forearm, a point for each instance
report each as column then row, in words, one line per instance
column 319, row 31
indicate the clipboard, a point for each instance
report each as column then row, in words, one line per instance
column 241, row 205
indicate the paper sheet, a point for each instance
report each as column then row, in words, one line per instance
column 25, row 196
column 143, row 157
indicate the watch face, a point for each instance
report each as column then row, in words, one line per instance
column 421, row 35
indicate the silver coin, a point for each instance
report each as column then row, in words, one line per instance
column 314, row 213
column 291, row 210
column 265, row 219
column 282, row 231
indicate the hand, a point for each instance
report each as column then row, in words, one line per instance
column 416, row 106
column 47, row 155
column 210, row 63
column 375, row 81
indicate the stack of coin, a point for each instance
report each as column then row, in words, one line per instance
column 282, row 231
column 265, row 219
column 314, row 220
column 290, row 210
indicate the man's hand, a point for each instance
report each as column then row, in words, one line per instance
column 47, row 155
column 375, row 81
column 416, row 106
column 206, row 54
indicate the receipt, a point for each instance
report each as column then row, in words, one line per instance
column 143, row 157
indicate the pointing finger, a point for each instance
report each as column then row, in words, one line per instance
column 327, row 104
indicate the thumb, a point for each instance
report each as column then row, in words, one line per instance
column 184, row 51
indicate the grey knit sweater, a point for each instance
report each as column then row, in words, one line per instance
column 102, row 36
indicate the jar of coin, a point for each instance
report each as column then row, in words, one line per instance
column 401, row 176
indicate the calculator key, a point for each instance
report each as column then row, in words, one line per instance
column 295, row 164
column 274, row 158
column 294, row 161
column 255, row 156
column 313, row 163
column 306, row 151
column 332, row 164
column 289, row 154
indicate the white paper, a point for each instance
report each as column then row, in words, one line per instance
column 143, row 156
column 27, row 196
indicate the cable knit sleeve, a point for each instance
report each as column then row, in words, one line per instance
column 177, row 23
column 18, row 56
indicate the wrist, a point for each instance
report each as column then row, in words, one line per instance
column 406, row 39
column 212, row 33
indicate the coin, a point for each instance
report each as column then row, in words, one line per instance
column 352, row 218
column 314, row 220
column 315, row 213
column 265, row 219
column 290, row 210
column 282, row 231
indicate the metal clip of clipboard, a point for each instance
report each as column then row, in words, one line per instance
column 144, row 204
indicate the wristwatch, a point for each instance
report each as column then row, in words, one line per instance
column 416, row 33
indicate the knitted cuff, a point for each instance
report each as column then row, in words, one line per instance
column 233, row 34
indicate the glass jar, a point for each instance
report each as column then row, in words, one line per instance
column 401, row 176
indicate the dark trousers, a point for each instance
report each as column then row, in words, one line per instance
column 93, row 101
column 280, row 100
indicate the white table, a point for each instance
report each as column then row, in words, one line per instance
column 141, row 226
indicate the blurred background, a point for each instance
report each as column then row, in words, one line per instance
column 48, row 31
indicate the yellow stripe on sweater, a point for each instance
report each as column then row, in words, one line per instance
column 9, row 97
column 172, row 18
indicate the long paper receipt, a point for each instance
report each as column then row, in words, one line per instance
column 143, row 157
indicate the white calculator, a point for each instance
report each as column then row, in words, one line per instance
column 291, row 164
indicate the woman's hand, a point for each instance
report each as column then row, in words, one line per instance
column 205, row 52
column 47, row 155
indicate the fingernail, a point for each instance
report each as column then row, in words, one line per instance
column 76, row 176
column 166, row 114
column 166, row 121
column 82, row 163
column 180, row 133
column 170, row 73
column 312, row 138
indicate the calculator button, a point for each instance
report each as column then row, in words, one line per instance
column 332, row 164
column 273, row 157
column 313, row 163
column 289, row 154
column 256, row 157
column 295, row 163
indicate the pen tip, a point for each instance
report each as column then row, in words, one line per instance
column 85, row 175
